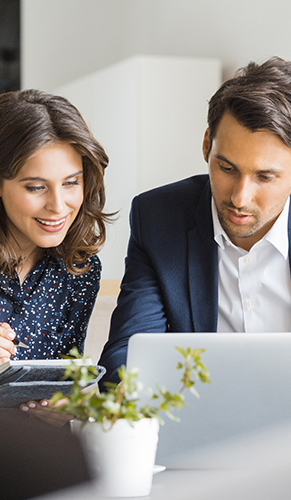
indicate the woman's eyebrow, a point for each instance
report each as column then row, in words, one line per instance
column 42, row 179
column 74, row 175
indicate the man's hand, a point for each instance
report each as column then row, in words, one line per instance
column 7, row 348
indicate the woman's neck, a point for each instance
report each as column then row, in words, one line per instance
column 28, row 263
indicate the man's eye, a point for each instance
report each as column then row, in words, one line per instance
column 266, row 178
column 227, row 169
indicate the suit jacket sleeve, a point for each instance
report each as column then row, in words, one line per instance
column 170, row 281
column 140, row 305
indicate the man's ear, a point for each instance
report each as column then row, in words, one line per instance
column 205, row 145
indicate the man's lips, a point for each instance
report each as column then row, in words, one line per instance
column 237, row 218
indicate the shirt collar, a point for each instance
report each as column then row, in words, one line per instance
column 277, row 236
column 220, row 235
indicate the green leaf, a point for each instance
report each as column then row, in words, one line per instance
column 194, row 392
column 181, row 351
column 121, row 401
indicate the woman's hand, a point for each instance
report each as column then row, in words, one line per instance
column 43, row 410
column 7, row 348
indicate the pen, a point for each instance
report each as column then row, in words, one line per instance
column 20, row 344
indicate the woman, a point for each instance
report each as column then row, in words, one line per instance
column 52, row 225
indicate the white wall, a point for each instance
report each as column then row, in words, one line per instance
column 149, row 113
column 65, row 39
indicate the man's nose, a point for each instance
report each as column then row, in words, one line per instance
column 242, row 193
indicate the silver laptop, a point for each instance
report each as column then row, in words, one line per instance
column 250, row 389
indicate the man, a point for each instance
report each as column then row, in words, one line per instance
column 211, row 253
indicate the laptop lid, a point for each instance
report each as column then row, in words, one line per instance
column 249, row 390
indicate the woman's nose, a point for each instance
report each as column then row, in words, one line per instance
column 55, row 202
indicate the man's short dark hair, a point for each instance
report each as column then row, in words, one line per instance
column 258, row 97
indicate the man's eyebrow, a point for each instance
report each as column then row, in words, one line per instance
column 259, row 171
column 223, row 158
column 42, row 179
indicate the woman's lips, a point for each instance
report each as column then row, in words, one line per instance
column 50, row 225
column 238, row 219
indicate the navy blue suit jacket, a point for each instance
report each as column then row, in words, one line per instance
column 171, row 275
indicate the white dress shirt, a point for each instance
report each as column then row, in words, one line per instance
column 254, row 288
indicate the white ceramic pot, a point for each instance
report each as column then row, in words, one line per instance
column 123, row 456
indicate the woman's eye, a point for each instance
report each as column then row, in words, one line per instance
column 31, row 189
column 72, row 183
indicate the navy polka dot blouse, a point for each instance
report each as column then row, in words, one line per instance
column 51, row 310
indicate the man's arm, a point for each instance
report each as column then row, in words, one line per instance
column 155, row 292
column 140, row 307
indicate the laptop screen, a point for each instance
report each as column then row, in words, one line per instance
column 249, row 390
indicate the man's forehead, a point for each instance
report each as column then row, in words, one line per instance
column 239, row 147
column 229, row 124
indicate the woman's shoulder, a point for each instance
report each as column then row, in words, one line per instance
column 92, row 263
column 94, row 267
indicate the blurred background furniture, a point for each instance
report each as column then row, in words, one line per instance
column 37, row 458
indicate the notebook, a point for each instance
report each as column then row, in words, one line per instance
column 250, row 390
column 22, row 381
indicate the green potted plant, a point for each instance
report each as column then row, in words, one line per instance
column 122, row 432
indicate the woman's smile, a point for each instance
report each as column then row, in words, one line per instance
column 51, row 225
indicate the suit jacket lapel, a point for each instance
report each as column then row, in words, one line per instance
column 203, row 267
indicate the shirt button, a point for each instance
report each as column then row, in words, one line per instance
column 246, row 260
column 250, row 304
column 18, row 309
column 32, row 278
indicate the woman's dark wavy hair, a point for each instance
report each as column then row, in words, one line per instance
column 258, row 97
column 29, row 120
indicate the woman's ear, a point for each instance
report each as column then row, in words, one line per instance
column 205, row 145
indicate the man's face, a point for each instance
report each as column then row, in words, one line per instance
column 250, row 177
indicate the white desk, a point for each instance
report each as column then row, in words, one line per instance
column 260, row 470
column 169, row 484
column 202, row 485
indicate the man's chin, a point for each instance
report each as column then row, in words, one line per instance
column 234, row 231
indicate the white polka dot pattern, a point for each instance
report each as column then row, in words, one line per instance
column 51, row 310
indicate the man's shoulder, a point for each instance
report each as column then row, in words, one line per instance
column 185, row 190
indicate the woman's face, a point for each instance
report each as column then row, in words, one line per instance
column 43, row 200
